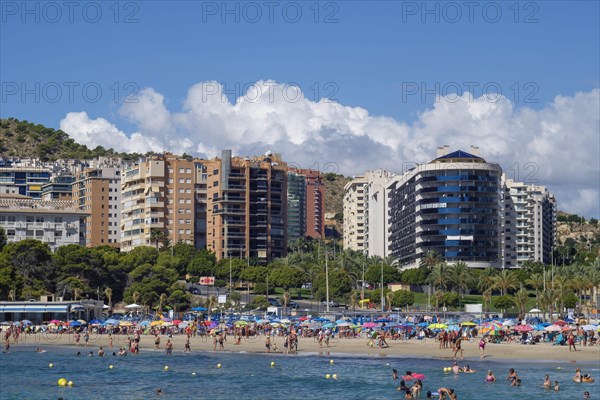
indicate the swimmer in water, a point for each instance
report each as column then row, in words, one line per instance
column 447, row 394
column 402, row 387
column 455, row 368
column 586, row 395
column 547, row 382
column 556, row 388
column 490, row 377
column 512, row 377
column 394, row 374
column 468, row 370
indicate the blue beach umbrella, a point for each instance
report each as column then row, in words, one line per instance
column 144, row 323
column 199, row 309
column 74, row 323
column 423, row 324
column 111, row 321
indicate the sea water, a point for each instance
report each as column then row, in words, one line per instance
column 25, row 374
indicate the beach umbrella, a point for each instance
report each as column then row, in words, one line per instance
column 55, row 321
column 303, row 318
column 133, row 305
column 344, row 324
column 369, row 325
column 321, row 319
column 560, row 323
column 423, row 324
column 82, row 322
column 262, row 321
column 569, row 320
column 285, row 321
column 509, row 322
column 384, row 320
column 111, row 321
column 165, row 319
column 144, row 323
column 453, row 328
column 177, row 322
column 493, row 333
column 74, row 323
column 589, row 327
column 26, row 322
column 5, row 323
column 437, row 326
column 553, row 328
column 329, row 325
column 523, row 328
column 199, row 309
column 95, row 321
column 468, row 323
column 241, row 323
column 125, row 323
column 535, row 310
column 341, row 321
column 493, row 325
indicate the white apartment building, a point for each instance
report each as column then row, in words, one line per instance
column 528, row 223
column 55, row 222
column 375, row 213
column 354, row 214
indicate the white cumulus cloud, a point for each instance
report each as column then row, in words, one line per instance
column 557, row 145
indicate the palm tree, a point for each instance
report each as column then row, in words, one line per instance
column 521, row 298
column 440, row 276
column 487, row 299
column 431, row 259
column 505, row 280
column 210, row 304
column 547, row 300
column 352, row 300
column 562, row 285
column 580, row 284
column 461, row 277
column 286, row 299
column 486, row 280
column 108, row 293
column 162, row 300
column 388, row 298
column 536, row 282
column 156, row 235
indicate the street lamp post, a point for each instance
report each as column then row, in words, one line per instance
column 326, row 281
column 382, row 307
column 230, row 280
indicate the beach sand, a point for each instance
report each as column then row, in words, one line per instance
column 411, row 348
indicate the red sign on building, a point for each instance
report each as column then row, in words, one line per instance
column 207, row 280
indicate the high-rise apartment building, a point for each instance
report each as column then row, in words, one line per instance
column 296, row 206
column 246, row 211
column 528, row 223
column 98, row 192
column 354, row 214
column 158, row 198
column 376, row 213
column 449, row 205
column 60, row 187
column 311, row 219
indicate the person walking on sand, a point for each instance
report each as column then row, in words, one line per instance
column 458, row 347
column 169, row 347
column 482, row 344
column 571, row 340
column 156, row 341
column 268, row 343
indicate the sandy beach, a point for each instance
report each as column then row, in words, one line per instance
column 355, row 346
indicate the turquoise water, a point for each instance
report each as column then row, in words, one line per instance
column 26, row 375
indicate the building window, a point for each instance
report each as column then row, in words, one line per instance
column 188, row 180
column 188, row 170
column 215, row 172
column 181, row 170
column 181, row 180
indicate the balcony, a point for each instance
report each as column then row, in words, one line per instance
column 229, row 211
column 231, row 187
column 234, row 221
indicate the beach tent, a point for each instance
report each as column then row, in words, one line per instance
column 133, row 306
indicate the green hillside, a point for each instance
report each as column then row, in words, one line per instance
column 24, row 139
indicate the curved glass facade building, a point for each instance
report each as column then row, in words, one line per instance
column 451, row 206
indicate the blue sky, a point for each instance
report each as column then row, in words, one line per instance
column 378, row 56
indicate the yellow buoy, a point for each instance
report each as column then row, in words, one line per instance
column 110, row 366
column 334, row 376
column 166, row 367
column 62, row 382
column 330, row 361
column 70, row 383
column 218, row 365
column 273, row 363
column 50, row 365
column 327, row 376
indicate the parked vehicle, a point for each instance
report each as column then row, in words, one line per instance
column 331, row 303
